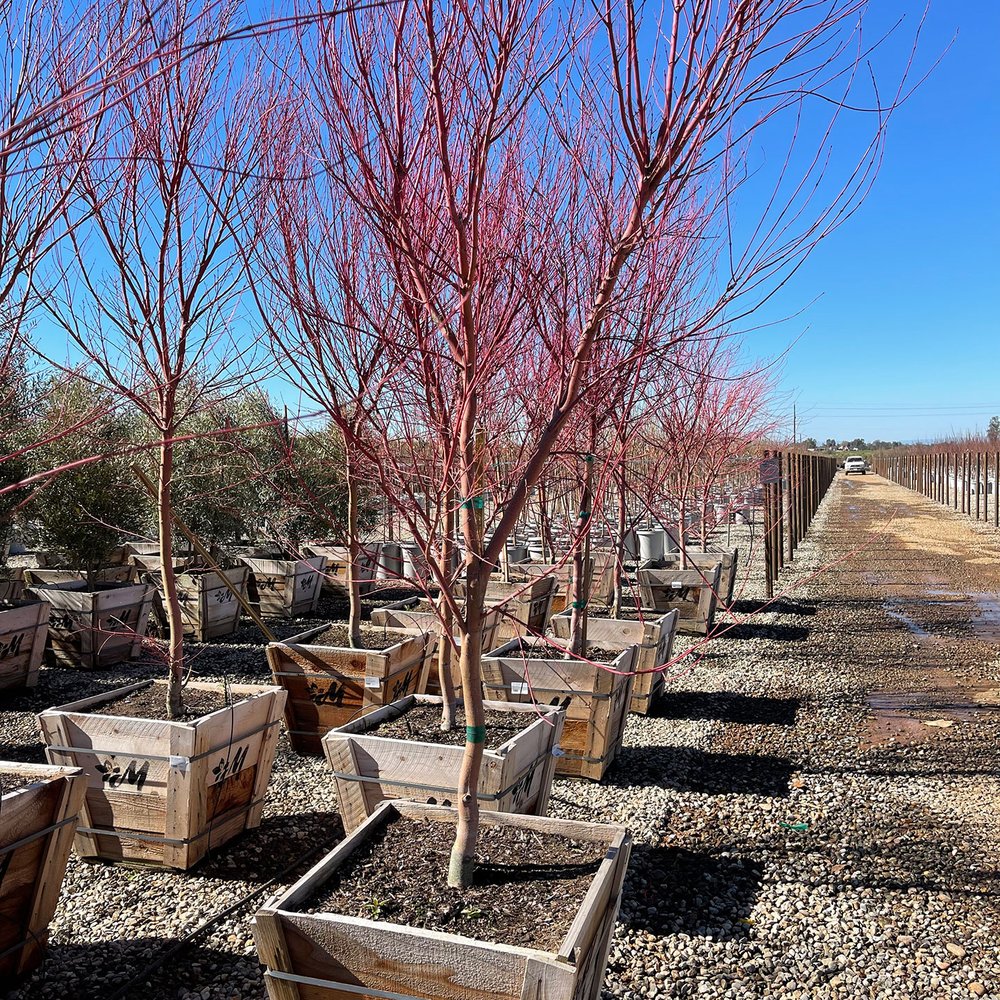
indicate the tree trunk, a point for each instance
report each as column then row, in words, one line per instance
column 616, row 609
column 448, row 699
column 581, row 563
column 353, row 554
column 545, row 526
column 461, row 868
column 175, row 626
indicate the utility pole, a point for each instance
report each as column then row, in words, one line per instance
column 793, row 425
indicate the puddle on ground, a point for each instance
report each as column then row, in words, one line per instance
column 902, row 716
column 910, row 624
column 986, row 625
column 984, row 610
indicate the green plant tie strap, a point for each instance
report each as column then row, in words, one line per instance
column 588, row 457
column 475, row 734
column 474, row 503
column 578, row 605
column 583, row 514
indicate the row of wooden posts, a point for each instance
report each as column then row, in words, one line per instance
column 793, row 484
column 966, row 481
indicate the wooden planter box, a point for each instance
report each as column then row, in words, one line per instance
column 729, row 558
column 525, row 608
column 603, row 569
column 329, row 686
column 12, row 586
column 209, row 608
column 167, row 793
column 287, row 587
column 96, row 628
column 654, row 641
column 597, row 699
column 327, row 955
column 515, row 777
column 411, row 615
column 36, row 831
column 338, row 561
column 693, row 592
column 154, row 564
column 24, row 627
column 59, row 577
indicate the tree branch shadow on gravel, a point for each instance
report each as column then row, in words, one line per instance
column 671, row 890
column 691, row 770
column 779, row 606
column 727, row 706
column 101, row 969
column 761, row 630
column 265, row 852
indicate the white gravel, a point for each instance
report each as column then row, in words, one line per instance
column 776, row 856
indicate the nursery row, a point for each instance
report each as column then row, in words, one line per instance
column 151, row 790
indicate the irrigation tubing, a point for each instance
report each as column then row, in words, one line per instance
column 191, row 936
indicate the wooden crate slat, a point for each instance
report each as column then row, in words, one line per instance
column 329, row 686
column 190, row 786
column 42, row 815
column 353, row 953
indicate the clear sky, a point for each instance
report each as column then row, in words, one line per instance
column 902, row 342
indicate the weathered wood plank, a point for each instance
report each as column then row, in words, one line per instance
column 167, row 792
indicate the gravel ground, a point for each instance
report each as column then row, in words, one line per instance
column 800, row 830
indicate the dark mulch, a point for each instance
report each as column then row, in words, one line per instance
column 627, row 614
column 423, row 723
column 528, row 886
column 371, row 638
column 150, row 703
column 595, row 653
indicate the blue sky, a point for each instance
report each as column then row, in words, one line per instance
column 893, row 332
column 902, row 341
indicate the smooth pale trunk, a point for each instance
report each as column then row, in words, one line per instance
column 445, row 647
column 354, row 555
column 581, row 560
column 616, row 608
column 175, row 623
column 463, row 853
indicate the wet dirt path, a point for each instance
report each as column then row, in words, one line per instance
column 825, row 782
column 936, row 577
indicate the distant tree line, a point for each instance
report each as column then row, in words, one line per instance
column 855, row 444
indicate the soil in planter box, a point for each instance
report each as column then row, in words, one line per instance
column 423, row 723
column 595, row 653
column 151, row 703
column 626, row 615
column 371, row 638
column 528, row 888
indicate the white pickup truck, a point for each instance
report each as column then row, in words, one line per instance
column 855, row 463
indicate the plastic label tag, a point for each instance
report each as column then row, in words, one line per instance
column 519, row 687
column 181, row 763
column 372, row 682
column 557, row 751
column 676, row 585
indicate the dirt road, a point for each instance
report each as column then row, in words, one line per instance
column 828, row 776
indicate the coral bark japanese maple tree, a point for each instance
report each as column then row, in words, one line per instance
column 510, row 173
column 151, row 275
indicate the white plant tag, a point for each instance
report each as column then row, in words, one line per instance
column 181, row 763
column 519, row 687
column 372, row 682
